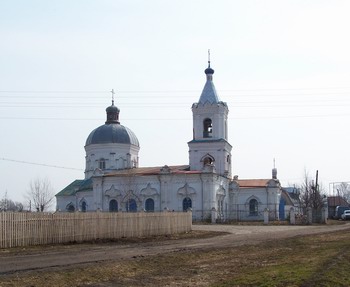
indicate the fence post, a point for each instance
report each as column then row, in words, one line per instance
column 324, row 215
column 309, row 215
column 213, row 215
column 266, row 216
column 292, row 216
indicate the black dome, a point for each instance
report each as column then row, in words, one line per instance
column 112, row 133
column 209, row 71
column 112, row 109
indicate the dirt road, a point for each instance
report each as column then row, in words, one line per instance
column 66, row 256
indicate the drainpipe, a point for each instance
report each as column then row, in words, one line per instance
column 102, row 197
column 200, row 176
column 267, row 197
column 160, row 192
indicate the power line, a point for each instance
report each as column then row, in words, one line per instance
column 40, row 164
column 164, row 91
column 177, row 106
column 164, row 102
column 176, row 119
column 121, row 96
column 52, row 92
column 50, row 119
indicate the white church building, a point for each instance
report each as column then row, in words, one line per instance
column 114, row 182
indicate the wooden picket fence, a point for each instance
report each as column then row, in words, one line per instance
column 25, row 229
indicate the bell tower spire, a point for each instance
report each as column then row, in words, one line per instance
column 210, row 140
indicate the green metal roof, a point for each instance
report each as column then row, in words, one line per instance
column 76, row 186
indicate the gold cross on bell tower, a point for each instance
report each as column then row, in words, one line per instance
column 209, row 58
column 112, row 96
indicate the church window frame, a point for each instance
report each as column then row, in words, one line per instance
column 208, row 160
column 207, row 128
column 102, row 163
column 149, row 205
column 113, row 205
column 70, row 208
column 220, row 210
column 253, row 207
column 83, row 206
column 186, row 204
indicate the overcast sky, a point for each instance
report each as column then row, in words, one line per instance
column 283, row 67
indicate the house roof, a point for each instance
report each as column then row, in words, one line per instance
column 252, row 183
column 286, row 196
column 336, row 200
column 292, row 196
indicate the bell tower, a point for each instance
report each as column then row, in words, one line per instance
column 209, row 145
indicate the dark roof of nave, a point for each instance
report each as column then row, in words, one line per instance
column 75, row 186
column 154, row 170
column 86, row 184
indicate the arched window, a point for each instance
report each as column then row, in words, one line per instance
column 207, row 128
column 102, row 164
column 253, row 207
column 83, row 206
column 186, row 203
column 131, row 205
column 113, row 206
column 70, row 208
column 207, row 160
column 149, row 204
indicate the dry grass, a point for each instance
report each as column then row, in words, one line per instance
column 317, row 260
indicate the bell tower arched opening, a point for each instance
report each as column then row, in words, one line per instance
column 207, row 128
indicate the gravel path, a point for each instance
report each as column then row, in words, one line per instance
column 61, row 257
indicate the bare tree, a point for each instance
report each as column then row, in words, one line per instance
column 40, row 194
column 311, row 193
column 7, row 204
column 343, row 190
